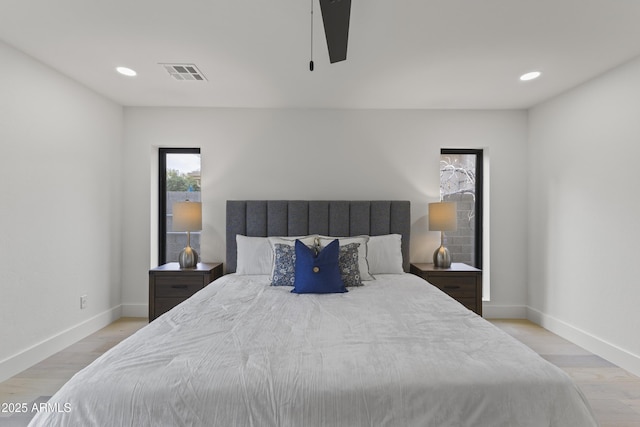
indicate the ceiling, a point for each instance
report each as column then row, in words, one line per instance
column 255, row 53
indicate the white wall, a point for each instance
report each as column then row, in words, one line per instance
column 584, row 151
column 60, row 191
column 325, row 154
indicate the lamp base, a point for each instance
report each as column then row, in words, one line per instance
column 441, row 257
column 188, row 258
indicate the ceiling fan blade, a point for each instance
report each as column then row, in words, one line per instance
column 335, row 17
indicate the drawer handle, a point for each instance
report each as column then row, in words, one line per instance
column 452, row 287
column 179, row 286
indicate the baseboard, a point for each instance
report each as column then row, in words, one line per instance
column 504, row 311
column 614, row 354
column 25, row 359
column 135, row 310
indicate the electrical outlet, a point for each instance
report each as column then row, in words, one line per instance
column 83, row 302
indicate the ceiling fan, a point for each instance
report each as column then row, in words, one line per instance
column 335, row 17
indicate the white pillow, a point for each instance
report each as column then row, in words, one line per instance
column 385, row 254
column 363, row 265
column 291, row 240
column 254, row 255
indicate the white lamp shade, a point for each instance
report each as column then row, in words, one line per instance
column 187, row 216
column 443, row 216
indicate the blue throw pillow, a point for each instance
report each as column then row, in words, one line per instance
column 318, row 274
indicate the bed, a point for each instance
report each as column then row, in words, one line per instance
column 391, row 352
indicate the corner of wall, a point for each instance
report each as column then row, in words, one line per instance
column 45, row 348
column 590, row 342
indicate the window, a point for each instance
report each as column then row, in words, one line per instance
column 461, row 182
column 179, row 181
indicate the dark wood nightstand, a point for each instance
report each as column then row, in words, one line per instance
column 461, row 282
column 169, row 285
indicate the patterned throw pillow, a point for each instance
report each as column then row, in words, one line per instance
column 349, row 267
column 363, row 264
column 284, row 267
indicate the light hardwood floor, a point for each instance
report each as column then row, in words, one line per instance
column 45, row 378
column 614, row 394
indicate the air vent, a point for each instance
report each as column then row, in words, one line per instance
column 184, row 72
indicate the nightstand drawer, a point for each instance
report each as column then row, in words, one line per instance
column 162, row 305
column 177, row 286
column 470, row 303
column 467, row 282
column 456, row 289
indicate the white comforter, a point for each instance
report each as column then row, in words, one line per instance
column 395, row 352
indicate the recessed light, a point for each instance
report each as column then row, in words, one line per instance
column 126, row 71
column 530, row 76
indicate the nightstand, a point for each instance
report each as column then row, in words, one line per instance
column 169, row 285
column 461, row 282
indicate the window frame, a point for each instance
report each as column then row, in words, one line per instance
column 479, row 153
column 162, row 196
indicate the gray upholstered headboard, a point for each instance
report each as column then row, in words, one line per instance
column 263, row 218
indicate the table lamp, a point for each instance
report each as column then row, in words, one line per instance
column 187, row 216
column 442, row 217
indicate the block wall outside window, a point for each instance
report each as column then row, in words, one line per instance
column 176, row 241
column 461, row 243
